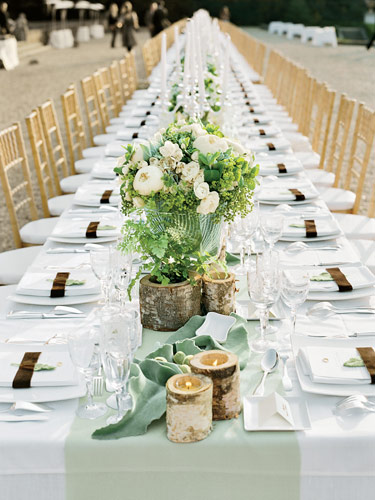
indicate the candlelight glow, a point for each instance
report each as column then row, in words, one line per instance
column 214, row 363
column 188, row 385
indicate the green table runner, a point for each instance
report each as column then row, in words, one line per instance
column 230, row 463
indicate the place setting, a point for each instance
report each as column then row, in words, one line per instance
column 92, row 227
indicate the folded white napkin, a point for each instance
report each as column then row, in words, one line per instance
column 269, row 166
column 259, row 145
column 129, row 134
column 325, row 365
column 63, row 374
column 275, row 193
column 39, row 283
column 115, row 149
column 325, row 226
column 77, row 227
column 358, row 277
column 91, row 194
column 255, row 131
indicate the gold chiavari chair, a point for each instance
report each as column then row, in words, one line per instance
column 52, row 205
column 147, row 57
column 64, row 183
column 116, row 85
column 109, row 91
column 101, row 99
column 347, row 199
column 124, row 79
column 259, row 59
column 132, row 71
column 74, row 127
column 92, row 108
column 18, row 193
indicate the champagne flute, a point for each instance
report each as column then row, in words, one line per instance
column 81, row 344
column 271, row 226
column 239, row 236
column 121, row 275
column 100, row 259
column 263, row 283
column 295, row 285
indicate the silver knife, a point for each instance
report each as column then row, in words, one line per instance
column 33, row 315
column 67, row 250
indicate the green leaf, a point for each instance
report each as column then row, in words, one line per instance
column 165, row 351
column 297, row 225
column 149, row 404
column 39, row 367
column 211, row 175
column 322, row 277
column 106, row 228
column 158, row 371
column 354, row 363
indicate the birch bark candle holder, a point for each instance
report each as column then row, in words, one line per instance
column 223, row 369
column 189, row 408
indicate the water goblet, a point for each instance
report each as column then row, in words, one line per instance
column 81, row 344
column 121, row 274
column 271, row 226
column 238, row 235
column 100, row 259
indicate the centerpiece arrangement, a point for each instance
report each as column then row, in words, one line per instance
column 177, row 189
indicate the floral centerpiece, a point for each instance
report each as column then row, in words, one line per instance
column 177, row 189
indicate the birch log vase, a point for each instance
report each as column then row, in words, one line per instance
column 223, row 369
column 189, row 408
column 167, row 308
column 219, row 293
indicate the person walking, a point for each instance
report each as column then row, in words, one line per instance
column 160, row 18
column 113, row 22
column 21, row 30
column 224, row 14
column 4, row 19
column 129, row 24
column 149, row 16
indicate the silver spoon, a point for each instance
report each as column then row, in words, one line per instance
column 301, row 246
column 268, row 364
column 287, row 383
column 326, row 309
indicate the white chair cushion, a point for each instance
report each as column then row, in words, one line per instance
column 309, row 159
column 13, row 264
column 366, row 252
column 298, row 141
column 94, row 152
column 71, row 184
column 85, row 165
column 357, row 226
column 287, row 126
column 104, row 139
column 338, row 199
column 320, row 177
column 58, row 204
column 36, row 232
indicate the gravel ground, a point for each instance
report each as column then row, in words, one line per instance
column 30, row 85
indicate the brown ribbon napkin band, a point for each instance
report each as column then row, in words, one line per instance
column 148, row 113
column 58, row 285
column 282, row 168
column 311, row 231
column 143, row 123
column 22, row 379
column 106, row 196
column 340, row 279
column 91, row 229
column 271, row 147
column 368, row 357
column 297, row 193
column 252, row 110
column 135, row 135
column 256, row 120
column 261, row 132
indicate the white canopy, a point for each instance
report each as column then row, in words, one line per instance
column 83, row 4
column 64, row 4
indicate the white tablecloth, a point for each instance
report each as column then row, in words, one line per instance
column 8, row 53
column 61, row 39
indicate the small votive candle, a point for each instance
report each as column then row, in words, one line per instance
column 189, row 408
column 223, row 369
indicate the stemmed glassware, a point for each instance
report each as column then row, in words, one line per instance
column 100, row 259
column 271, row 226
column 295, row 285
column 121, row 275
column 244, row 231
column 81, row 344
column 115, row 347
column 263, row 282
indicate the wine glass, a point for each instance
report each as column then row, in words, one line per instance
column 238, row 235
column 121, row 274
column 115, row 346
column 263, row 282
column 295, row 285
column 81, row 344
column 100, row 259
column 271, row 226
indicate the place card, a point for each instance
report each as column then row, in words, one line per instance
column 274, row 410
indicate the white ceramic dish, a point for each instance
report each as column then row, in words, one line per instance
column 59, row 301
column 42, row 394
column 354, row 294
column 298, row 407
column 217, row 326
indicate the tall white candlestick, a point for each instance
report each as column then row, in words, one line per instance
column 202, row 91
column 177, row 48
column 226, row 68
column 163, row 68
column 187, row 59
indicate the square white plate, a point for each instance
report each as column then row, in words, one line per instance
column 217, row 326
column 297, row 405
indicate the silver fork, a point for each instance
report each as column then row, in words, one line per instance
column 356, row 401
column 98, row 382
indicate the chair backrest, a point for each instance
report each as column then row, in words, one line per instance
column 148, row 59
column 109, row 91
column 339, row 139
column 54, row 142
column 73, row 125
column 116, row 85
column 259, row 58
column 132, row 70
column 360, row 153
column 91, row 107
column 101, row 99
column 124, row 79
column 13, row 160
column 42, row 167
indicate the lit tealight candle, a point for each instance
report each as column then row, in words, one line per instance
column 223, row 369
column 189, row 408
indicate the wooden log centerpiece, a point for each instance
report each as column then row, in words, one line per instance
column 189, row 408
column 168, row 307
column 219, row 291
column 223, row 369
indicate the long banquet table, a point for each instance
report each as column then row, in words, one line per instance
column 57, row 459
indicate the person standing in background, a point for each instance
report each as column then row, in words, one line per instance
column 129, row 22
column 160, row 18
column 149, row 16
column 113, row 22
column 224, row 14
column 22, row 28
column 4, row 19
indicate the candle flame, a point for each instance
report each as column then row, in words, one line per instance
column 188, row 385
column 214, row 363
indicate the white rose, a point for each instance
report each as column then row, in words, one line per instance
column 168, row 163
column 209, row 204
column 157, row 138
column 195, row 156
column 128, row 197
column 210, row 144
column 142, row 164
column 190, row 172
column 138, row 202
column 198, row 130
column 125, row 170
column 137, row 155
column 180, row 167
column 171, row 150
column 148, row 179
column 201, row 190
column 236, row 146
column 120, row 161
column 200, row 177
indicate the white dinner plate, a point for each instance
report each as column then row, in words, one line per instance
column 61, row 239
column 354, row 294
column 216, row 325
column 42, row 394
column 58, row 301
